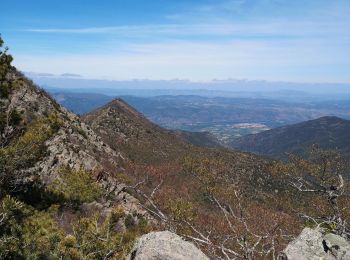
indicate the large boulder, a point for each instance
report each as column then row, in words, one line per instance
column 164, row 246
column 315, row 244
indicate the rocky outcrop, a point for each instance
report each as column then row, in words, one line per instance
column 164, row 246
column 75, row 145
column 315, row 244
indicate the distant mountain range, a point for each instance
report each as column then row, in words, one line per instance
column 224, row 88
column 224, row 118
column 81, row 103
column 328, row 132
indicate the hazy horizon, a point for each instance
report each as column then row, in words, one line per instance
column 272, row 40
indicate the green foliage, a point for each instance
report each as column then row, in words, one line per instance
column 23, row 153
column 94, row 238
column 12, row 213
column 182, row 210
column 26, row 233
column 30, row 147
column 5, row 67
column 7, row 84
column 123, row 178
column 129, row 221
column 3, row 121
column 15, row 117
column 143, row 224
column 76, row 187
column 41, row 234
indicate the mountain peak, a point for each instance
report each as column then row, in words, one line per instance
column 121, row 105
column 123, row 127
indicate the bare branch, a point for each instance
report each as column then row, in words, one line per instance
column 156, row 189
column 155, row 209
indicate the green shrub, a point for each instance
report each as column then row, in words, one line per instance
column 95, row 238
column 129, row 221
column 123, row 178
column 14, row 120
column 26, row 233
column 15, row 117
column 4, row 90
column 5, row 67
column 12, row 213
column 41, row 234
column 24, row 153
column 76, row 187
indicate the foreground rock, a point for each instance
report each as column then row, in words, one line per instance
column 165, row 246
column 314, row 244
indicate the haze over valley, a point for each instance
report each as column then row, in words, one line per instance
column 225, row 117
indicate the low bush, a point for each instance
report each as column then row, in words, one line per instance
column 76, row 187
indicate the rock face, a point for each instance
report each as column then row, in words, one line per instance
column 164, row 246
column 314, row 244
column 75, row 145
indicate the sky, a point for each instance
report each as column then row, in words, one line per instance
column 198, row 40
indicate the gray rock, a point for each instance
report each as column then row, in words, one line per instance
column 75, row 145
column 164, row 246
column 315, row 244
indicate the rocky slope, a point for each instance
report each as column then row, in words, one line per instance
column 328, row 132
column 74, row 145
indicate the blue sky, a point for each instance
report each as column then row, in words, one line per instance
column 277, row 40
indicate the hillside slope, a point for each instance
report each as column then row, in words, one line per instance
column 127, row 130
column 184, row 180
column 56, row 174
column 328, row 132
column 202, row 139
